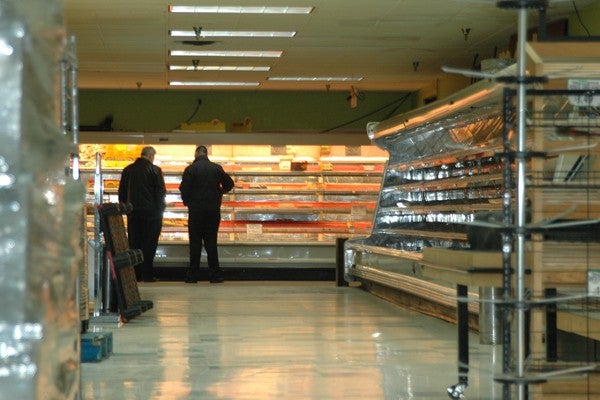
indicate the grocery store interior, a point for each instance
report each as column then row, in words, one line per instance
column 416, row 209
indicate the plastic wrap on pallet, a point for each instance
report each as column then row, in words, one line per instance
column 40, row 211
column 425, row 200
column 469, row 128
column 406, row 204
column 443, row 173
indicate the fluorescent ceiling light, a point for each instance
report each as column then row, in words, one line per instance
column 224, row 53
column 203, row 33
column 240, row 10
column 209, row 83
column 315, row 78
column 243, row 68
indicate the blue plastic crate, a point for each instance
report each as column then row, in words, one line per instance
column 96, row 346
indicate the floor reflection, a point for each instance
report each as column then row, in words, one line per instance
column 267, row 341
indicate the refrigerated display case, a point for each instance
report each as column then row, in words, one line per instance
column 284, row 211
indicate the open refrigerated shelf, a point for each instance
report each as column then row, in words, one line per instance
column 274, row 217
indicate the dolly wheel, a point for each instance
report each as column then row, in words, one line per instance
column 457, row 391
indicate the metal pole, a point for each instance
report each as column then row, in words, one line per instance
column 507, row 237
column 64, row 68
column 98, row 189
column 64, row 100
column 106, row 303
column 69, row 119
column 72, row 168
column 102, row 281
column 521, row 161
column 462, row 324
column 74, row 108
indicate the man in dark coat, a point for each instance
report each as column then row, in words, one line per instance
column 142, row 184
column 202, row 186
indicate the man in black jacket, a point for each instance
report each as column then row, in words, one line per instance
column 202, row 186
column 142, row 184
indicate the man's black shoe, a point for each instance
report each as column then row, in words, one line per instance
column 189, row 279
column 218, row 279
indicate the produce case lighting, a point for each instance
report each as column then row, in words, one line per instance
column 354, row 159
column 239, row 10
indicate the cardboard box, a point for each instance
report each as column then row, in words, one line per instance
column 213, row 126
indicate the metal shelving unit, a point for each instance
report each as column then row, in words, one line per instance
column 502, row 227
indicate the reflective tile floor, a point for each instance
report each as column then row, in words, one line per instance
column 281, row 340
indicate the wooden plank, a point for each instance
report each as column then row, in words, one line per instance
column 564, row 52
column 569, row 278
column 555, row 145
column 462, row 258
column 460, row 275
column 566, row 263
column 468, row 258
column 562, row 263
column 578, row 211
column 580, row 323
column 577, row 59
column 579, row 387
column 426, row 234
column 582, row 203
column 491, row 205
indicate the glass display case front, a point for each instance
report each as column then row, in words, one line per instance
column 305, row 198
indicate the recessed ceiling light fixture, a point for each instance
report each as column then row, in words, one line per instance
column 239, row 10
column 242, row 68
column 253, row 34
column 225, row 53
column 315, row 78
column 212, row 83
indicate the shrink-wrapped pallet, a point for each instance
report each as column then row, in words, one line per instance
column 40, row 210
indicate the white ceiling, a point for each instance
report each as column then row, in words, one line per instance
column 123, row 44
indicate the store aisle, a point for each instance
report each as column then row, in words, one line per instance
column 281, row 340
